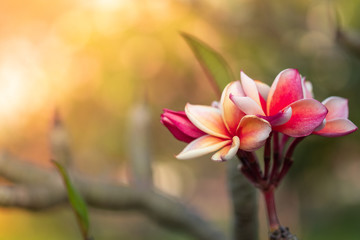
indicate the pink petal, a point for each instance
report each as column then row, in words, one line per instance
column 286, row 89
column 201, row 146
column 337, row 106
column 337, row 127
column 307, row 88
column 178, row 119
column 307, row 115
column 280, row 118
column 250, row 88
column 253, row 132
column 247, row 105
column 227, row 152
column 230, row 113
column 207, row 119
column 179, row 135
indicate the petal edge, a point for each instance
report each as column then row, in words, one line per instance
column 337, row 128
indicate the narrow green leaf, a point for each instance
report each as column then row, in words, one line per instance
column 77, row 203
column 216, row 68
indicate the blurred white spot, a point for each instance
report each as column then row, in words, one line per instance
column 173, row 179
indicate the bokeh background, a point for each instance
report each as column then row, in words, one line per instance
column 98, row 60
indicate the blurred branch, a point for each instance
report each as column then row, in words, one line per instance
column 42, row 188
column 244, row 201
column 30, row 197
column 24, row 172
column 139, row 141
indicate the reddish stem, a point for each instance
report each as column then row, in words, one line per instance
column 292, row 146
column 249, row 175
column 287, row 160
column 273, row 220
column 267, row 158
column 249, row 162
column 254, row 164
column 284, row 140
column 276, row 157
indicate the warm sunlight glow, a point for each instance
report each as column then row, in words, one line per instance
column 22, row 85
column 109, row 4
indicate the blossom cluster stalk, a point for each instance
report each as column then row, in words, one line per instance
column 276, row 162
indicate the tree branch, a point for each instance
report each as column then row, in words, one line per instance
column 39, row 189
column 244, row 201
column 139, row 146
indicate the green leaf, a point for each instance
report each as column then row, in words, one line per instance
column 77, row 203
column 216, row 68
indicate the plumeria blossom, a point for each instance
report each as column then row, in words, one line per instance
column 336, row 122
column 283, row 104
column 227, row 128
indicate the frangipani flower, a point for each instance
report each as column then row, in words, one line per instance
column 285, row 106
column 336, row 122
column 180, row 126
column 227, row 128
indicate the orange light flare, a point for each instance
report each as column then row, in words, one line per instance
column 23, row 87
column 24, row 96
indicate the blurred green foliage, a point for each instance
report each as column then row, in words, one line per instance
column 76, row 201
column 215, row 67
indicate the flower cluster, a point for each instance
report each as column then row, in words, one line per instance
column 251, row 114
column 249, row 111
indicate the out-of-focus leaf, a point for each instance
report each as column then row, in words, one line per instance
column 214, row 65
column 350, row 42
column 77, row 203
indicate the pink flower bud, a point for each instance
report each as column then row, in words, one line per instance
column 180, row 126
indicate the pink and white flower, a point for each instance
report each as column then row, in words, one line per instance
column 227, row 128
column 284, row 104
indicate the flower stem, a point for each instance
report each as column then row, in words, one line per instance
column 287, row 160
column 251, row 164
column 273, row 220
column 276, row 157
column 292, row 146
column 267, row 158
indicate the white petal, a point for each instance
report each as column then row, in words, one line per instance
column 207, row 119
column 247, row 105
column 201, row 146
column 263, row 89
column 230, row 113
column 250, row 88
